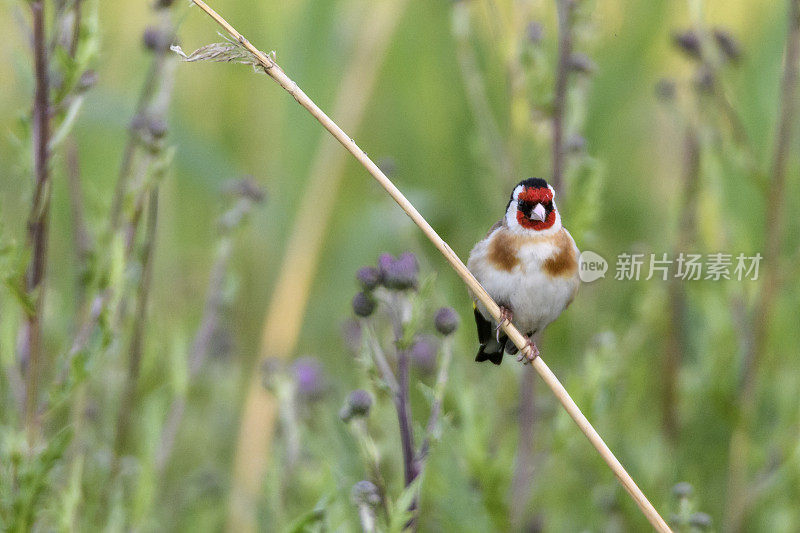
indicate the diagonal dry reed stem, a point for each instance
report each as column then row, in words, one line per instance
column 276, row 73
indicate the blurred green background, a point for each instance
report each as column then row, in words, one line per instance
column 623, row 192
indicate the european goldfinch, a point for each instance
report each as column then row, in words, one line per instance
column 528, row 263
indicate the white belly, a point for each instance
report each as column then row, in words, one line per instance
column 535, row 298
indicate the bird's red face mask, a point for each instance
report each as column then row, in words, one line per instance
column 535, row 208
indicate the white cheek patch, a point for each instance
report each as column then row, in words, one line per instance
column 511, row 215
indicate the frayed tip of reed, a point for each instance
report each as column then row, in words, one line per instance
column 229, row 51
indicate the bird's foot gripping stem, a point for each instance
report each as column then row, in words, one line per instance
column 528, row 355
column 505, row 318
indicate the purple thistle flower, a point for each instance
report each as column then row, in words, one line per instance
column 399, row 274
column 309, row 378
column 369, row 277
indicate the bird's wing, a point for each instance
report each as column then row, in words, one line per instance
column 484, row 326
column 500, row 223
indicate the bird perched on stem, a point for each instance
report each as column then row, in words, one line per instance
column 528, row 263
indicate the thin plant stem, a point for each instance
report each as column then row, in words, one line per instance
column 740, row 444
column 123, row 430
column 209, row 323
column 380, row 359
column 271, row 67
column 404, row 418
column 286, row 310
column 521, row 482
column 564, row 9
column 438, row 400
column 199, row 351
column 676, row 345
column 31, row 346
column 80, row 232
column 153, row 86
column 476, row 94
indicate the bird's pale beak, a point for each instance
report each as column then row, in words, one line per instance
column 538, row 213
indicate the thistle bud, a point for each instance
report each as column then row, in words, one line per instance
column 358, row 404
column 87, row 80
column 365, row 493
column 363, row 304
column 446, row 320
column 682, row 490
column 727, row 44
column 423, row 353
column 369, row 277
column 688, row 42
column 575, row 144
column 157, row 127
column 665, row 89
column 701, row 521
column 579, row 62
column 155, row 40
column 535, row 32
column 704, row 80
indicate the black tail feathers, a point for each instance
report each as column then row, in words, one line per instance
column 494, row 357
